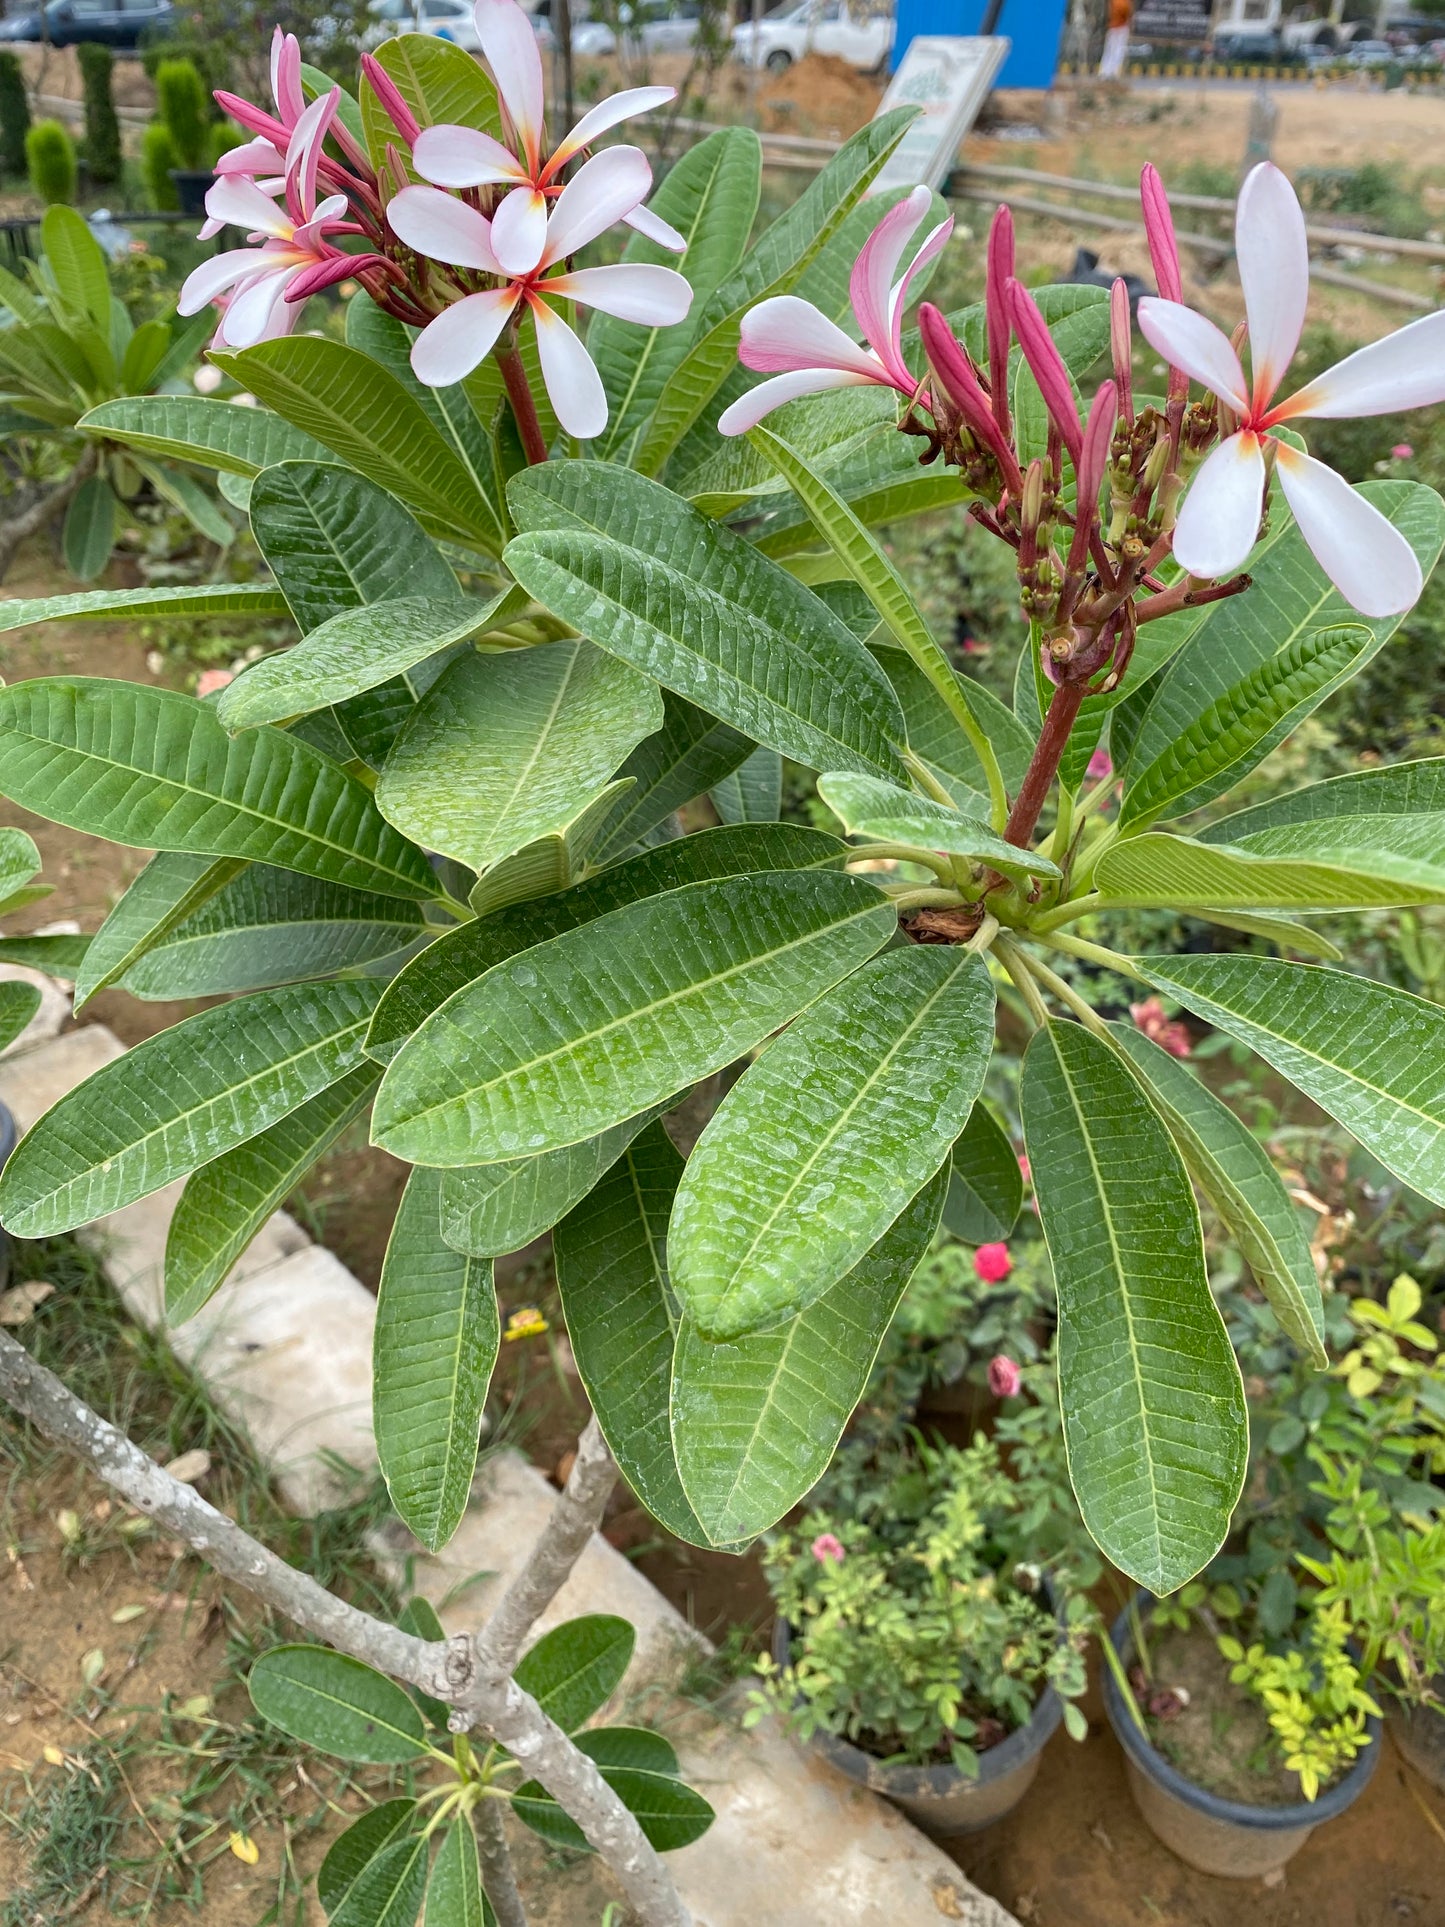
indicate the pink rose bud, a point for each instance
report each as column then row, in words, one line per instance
column 1025, row 1169
column 1004, row 1377
column 992, row 1263
column 1402, row 451
column 1101, row 764
column 828, row 1550
column 210, row 680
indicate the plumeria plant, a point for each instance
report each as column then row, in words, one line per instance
column 552, row 586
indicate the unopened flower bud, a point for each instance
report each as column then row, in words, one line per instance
column 1004, row 1377
column 992, row 1263
column 1121, row 347
column 1031, row 503
column 997, row 312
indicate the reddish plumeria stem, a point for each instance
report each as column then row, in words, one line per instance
column 519, row 394
column 1044, row 764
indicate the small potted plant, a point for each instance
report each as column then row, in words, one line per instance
column 1385, row 1567
column 918, row 1647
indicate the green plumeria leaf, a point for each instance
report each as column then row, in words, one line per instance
column 58, row 954
column 355, row 650
column 1234, row 1171
column 491, row 1209
column 1224, row 741
column 179, row 1099
column 1174, row 870
column 18, row 1004
column 595, row 1025
column 1291, row 600
column 687, row 757
column 154, row 769
column 212, row 434
column 1367, row 1054
column 336, row 541
column 670, row 1814
column 337, row 1705
column 351, row 1852
column 363, row 414
column 823, row 1142
column 756, row 1419
column 753, row 792
column 710, row 195
column 638, row 570
column 19, row 860
column 986, row 1188
column 611, row 1258
column 463, row 955
column 1153, row 1405
column 167, row 891
column 387, row 1892
column 507, row 747
column 575, row 1667
column 268, row 927
column 454, row 1896
column 887, row 814
column 226, row 1202
column 1367, row 805
column 437, row 1338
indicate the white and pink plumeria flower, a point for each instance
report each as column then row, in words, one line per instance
column 1362, row 553
column 292, row 257
column 443, row 228
column 806, row 353
column 462, row 157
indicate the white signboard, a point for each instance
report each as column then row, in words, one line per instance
column 949, row 77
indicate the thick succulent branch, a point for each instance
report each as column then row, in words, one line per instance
column 452, row 1670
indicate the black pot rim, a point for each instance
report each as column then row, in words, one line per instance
column 1236, row 1813
column 940, row 1782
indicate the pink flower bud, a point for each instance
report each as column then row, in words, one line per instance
column 1402, row 451
column 956, row 377
column 997, row 313
column 828, row 1550
column 1100, row 765
column 1121, row 347
column 1025, row 1169
column 1093, row 460
column 1004, row 1377
column 992, row 1263
column 1159, row 231
column 389, row 95
column 1047, row 367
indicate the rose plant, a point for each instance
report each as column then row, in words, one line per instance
column 431, row 852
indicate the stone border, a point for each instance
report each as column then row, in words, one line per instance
column 795, row 1844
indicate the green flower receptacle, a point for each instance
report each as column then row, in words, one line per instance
column 1228, row 1838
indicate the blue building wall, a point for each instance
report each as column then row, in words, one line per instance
column 1036, row 28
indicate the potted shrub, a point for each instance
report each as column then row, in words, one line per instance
column 189, row 144
column 918, row 1647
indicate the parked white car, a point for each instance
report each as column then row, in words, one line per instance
column 650, row 26
column 815, row 27
column 448, row 19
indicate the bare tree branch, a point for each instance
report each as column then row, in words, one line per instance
column 570, row 1524
column 453, row 1670
column 498, row 1880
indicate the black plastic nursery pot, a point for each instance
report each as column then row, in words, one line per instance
column 1228, row 1838
column 1419, row 1734
column 940, row 1799
column 192, row 185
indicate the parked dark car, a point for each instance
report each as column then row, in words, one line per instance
column 110, row 23
column 1259, row 43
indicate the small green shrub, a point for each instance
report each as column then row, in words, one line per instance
column 102, row 129
column 181, row 97
column 157, row 158
column 50, row 161
column 14, row 114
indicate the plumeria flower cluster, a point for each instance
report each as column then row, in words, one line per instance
column 1089, row 567
column 483, row 241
